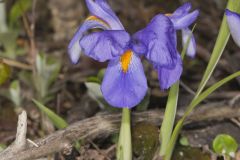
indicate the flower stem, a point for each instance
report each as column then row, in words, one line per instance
column 171, row 108
column 169, row 118
column 124, row 148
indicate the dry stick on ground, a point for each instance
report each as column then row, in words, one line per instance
column 14, row 63
column 103, row 125
column 20, row 142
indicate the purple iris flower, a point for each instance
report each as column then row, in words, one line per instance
column 124, row 83
column 182, row 19
column 233, row 20
column 158, row 44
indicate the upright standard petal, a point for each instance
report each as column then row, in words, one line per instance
column 101, row 9
column 105, row 45
column 184, row 21
column 233, row 20
column 186, row 34
column 74, row 49
column 182, row 10
column 124, row 84
column 159, row 40
column 105, row 6
column 167, row 77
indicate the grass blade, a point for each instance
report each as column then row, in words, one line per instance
column 58, row 121
column 219, row 47
column 169, row 118
column 194, row 103
column 171, row 108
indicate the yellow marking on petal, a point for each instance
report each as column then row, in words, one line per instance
column 168, row 14
column 125, row 60
column 94, row 18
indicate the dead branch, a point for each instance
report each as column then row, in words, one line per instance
column 20, row 142
column 105, row 124
column 14, row 63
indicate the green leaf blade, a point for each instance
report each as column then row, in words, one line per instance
column 219, row 47
column 208, row 91
column 194, row 103
column 58, row 121
column 169, row 118
column 171, row 108
column 18, row 10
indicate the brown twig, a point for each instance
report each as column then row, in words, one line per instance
column 20, row 142
column 103, row 125
column 30, row 30
column 14, row 63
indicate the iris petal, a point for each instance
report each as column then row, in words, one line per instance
column 101, row 9
column 191, row 50
column 158, row 40
column 182, row 10
column 233, row 20
column 74, row 49
column 137, row 46
column 167, row 77
column 124, row 89
column 105, row 45
column 184, row 21
column 104, row 5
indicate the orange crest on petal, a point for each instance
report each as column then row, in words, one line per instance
column 125, row 60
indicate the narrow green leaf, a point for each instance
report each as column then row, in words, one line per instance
column 207, row 92
column 94, row 91
column 169, row 118
column 100, row 74
column 173, row 140
column 18, row 9
column 93, row 79
column 8, row 40
column 14, row 91
column 194, row 103
column 171, row 108
column 219, row 47
column 58, row 121
column 47, row 70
